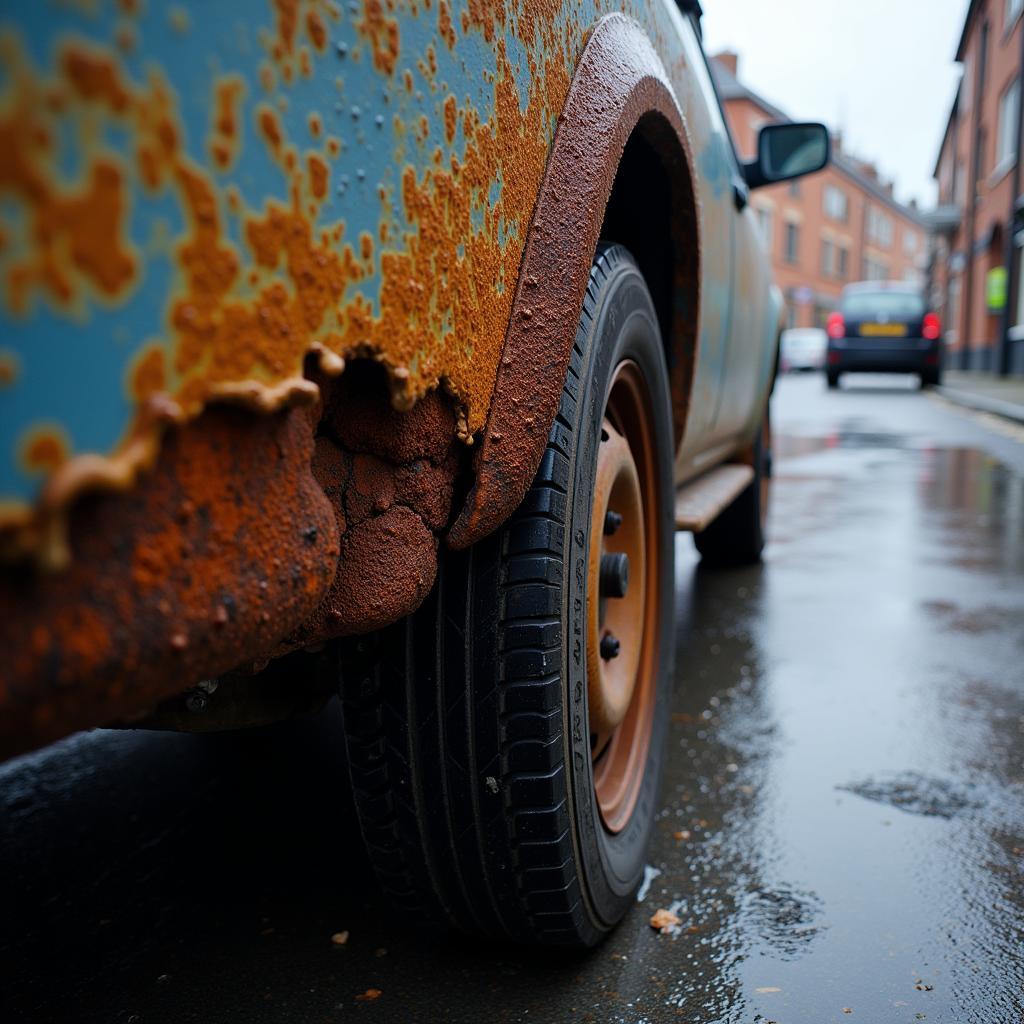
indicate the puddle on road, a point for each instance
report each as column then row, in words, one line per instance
column 843, row 821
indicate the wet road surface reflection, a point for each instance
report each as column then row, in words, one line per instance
column 842, row 820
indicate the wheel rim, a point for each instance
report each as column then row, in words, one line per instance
column 621, row 598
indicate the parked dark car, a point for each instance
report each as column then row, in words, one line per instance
column 884, row 327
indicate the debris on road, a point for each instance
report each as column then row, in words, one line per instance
column 369, row 995
column 339, row 938
column 664, row 921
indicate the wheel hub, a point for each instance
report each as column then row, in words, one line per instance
column 619, row 644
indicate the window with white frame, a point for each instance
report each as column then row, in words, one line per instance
column 879, row 227
column 844, row 263
column 875, row 270
column 836, row 204
column 792, row 242
column 1006, row 139
column 764, row 226
column 910, row 240
column 953, row 308
column 828, row 258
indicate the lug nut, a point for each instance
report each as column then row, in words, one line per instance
column 614, row 575
column 196, row 701
column 610, row 646
column 612, row 521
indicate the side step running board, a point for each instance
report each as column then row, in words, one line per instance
column 700, row 500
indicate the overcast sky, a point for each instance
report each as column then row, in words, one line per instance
column 881, row 70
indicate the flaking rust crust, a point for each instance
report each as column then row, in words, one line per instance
column 229, row 546
column 390, row 476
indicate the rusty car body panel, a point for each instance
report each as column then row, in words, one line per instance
column 365, row 229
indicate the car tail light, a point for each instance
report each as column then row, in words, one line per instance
column 932, row 328
column 836, row 326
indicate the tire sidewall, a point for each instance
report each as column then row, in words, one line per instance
column 625, row 327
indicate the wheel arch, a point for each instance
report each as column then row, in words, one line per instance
column 621, row 122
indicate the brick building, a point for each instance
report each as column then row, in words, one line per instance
column 980, row 216
column 829, row 229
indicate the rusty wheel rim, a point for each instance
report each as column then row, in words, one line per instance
column 621, row 598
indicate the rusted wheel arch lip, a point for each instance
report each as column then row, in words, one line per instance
column 619, row 82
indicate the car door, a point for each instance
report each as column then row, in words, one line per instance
column 750, row 331
column 714, row 170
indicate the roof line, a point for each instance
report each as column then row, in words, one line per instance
column 731, row 88
column 968, row 18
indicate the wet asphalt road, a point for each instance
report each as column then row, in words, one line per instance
column 842, row 831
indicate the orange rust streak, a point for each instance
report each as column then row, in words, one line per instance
column 225, row 141
column 382, row 33
column 318, row 175
column 316, row 31
column 444, row 24
column 287, row 22
column 270, row 127
column 450, row 118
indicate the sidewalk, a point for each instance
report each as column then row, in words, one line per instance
column 984, row 392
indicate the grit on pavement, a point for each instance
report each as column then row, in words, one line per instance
column 841, row 829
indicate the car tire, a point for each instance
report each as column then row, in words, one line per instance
column 931, row 378
column 832, row 381
column 737, row 535
column 499, row 785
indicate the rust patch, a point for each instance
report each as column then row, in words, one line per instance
column 619, row 80
column 77, row 232
column 390, row 477
column 445, row 27
column 9, row 368
column 381, row 31
column 319, row 173
column 45, row 450
column 450, row 118
column 228, row 546
column 316, row 30
column 149, row 373
column 225, row 135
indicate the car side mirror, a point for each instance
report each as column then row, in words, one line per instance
column 786, row 151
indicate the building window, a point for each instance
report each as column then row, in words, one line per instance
column 828, row 259
column 844, row 263
column 1006, row 140
column 794, row 185
column 836, row 204
column 879, row 227
column 1013, row 9
column 792, row 242
column 953, row 309
column 875, row 270
column 910, row 240
column 764, row 226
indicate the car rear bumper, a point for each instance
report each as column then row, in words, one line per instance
column 908, row 355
